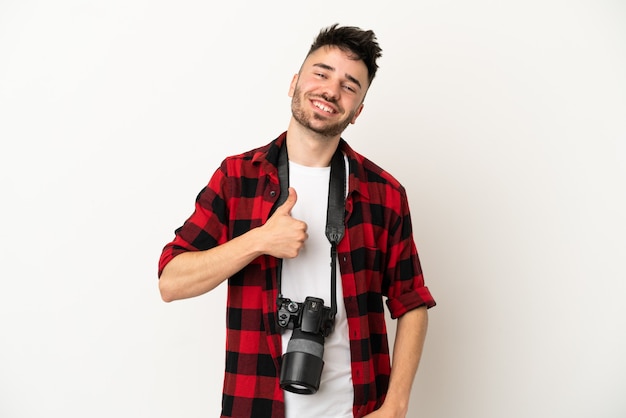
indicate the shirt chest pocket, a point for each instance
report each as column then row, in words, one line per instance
column 367, row 265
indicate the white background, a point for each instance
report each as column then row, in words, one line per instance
column 505, row 120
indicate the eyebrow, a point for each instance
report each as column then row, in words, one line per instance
column 329, row 68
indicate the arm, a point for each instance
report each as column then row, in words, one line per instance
column 194, row 273
column 407, row 351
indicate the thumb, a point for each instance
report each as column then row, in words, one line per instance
column 289, row 203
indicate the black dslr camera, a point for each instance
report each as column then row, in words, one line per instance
column 302, row 363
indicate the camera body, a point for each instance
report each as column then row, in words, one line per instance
column 302, row 362
column 310, row 316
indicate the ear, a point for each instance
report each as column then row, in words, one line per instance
column 357, row 113
column 292, row 86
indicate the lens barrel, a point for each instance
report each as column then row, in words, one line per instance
column 302, row 363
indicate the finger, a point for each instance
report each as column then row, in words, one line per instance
column 290, row 202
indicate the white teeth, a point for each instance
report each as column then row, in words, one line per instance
column 324, row 108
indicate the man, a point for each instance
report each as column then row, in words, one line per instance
column 239, row 232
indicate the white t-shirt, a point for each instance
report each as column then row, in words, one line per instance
column 309, row 275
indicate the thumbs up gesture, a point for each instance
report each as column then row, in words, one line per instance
column 285, row 235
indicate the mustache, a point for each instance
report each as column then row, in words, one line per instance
column 326, row 97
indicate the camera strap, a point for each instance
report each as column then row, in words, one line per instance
column 335, row 213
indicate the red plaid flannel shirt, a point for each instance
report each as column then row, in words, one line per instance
column 377, row 258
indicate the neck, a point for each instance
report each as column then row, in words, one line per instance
column 309, row 148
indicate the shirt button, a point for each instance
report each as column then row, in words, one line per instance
column 273, row 193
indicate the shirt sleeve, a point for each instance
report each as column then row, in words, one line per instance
column 206, row 227
column 406, row 289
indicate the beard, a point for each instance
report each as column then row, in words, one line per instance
column 329, row 130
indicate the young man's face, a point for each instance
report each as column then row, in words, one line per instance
column 327, row 95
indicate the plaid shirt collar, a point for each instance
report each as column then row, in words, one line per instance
column 269, row 156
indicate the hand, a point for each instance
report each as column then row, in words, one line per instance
column 284, row 235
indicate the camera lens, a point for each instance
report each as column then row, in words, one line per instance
column 302, row 364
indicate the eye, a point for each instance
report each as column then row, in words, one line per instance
column 320, row 75
column 349, row 87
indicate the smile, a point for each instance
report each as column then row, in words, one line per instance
column 323, row 107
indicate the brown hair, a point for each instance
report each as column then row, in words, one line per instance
column 360, row 43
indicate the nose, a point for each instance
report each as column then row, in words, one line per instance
column 331, row 92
